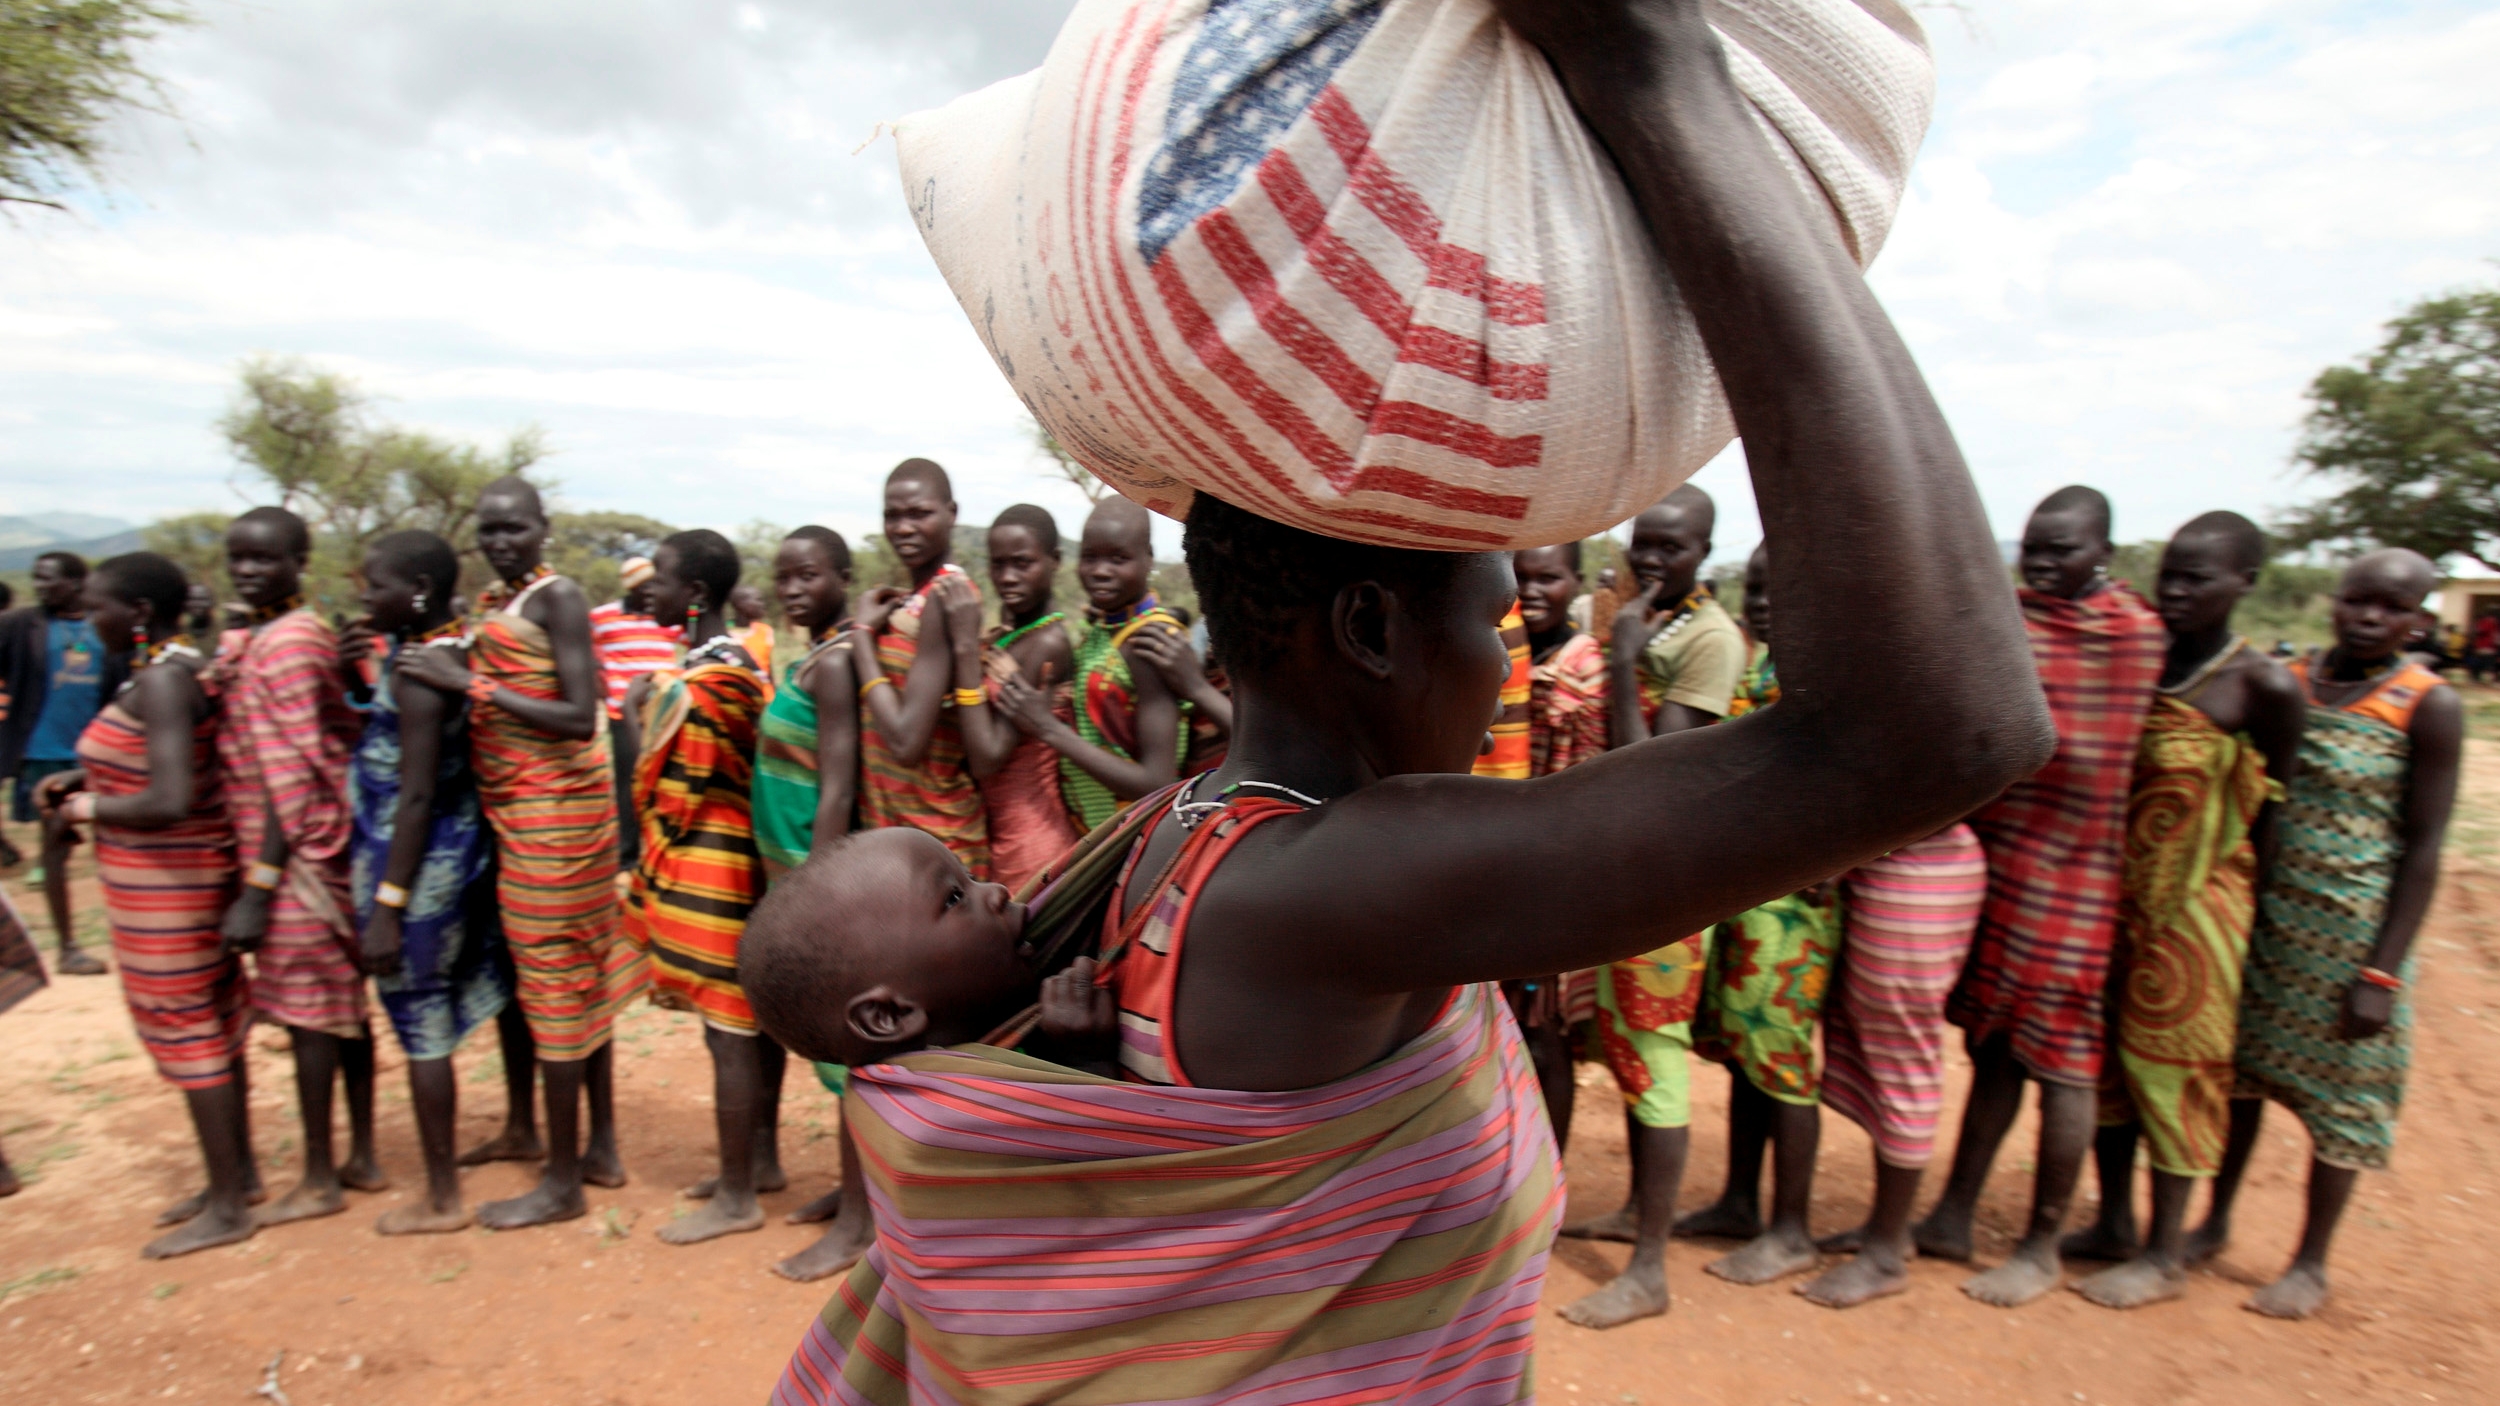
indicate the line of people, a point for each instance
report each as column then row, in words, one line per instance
column 2206, row 900
column 446, row 822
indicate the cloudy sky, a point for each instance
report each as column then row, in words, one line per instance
column 2137, row 230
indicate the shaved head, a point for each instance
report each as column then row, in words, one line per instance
column 2398, row 571
column 1690, row 505
column 2242, row 541
column 512, row 488
column 1118, row 519
column 2073, row 499
column 925, row 472
column 808, row 944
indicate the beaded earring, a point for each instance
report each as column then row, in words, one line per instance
column 139, row 638
column 419, row 603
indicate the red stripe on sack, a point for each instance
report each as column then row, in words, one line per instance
column 1466, row 358
column 1405, row 212
column 1298, row 335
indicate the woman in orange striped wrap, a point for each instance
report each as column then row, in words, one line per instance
column 919, row 668
column 538, row 738
column 700, row 874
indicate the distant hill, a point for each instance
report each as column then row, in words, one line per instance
column 26, row 537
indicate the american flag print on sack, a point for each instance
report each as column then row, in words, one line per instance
column 1356, row 266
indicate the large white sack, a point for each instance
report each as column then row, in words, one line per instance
column 1356, row 265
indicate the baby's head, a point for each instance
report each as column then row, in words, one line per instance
column 883, row 944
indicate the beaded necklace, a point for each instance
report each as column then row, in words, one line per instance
column 449, row 632
column 495, row 595
column 1136, row 608
column 1683, row 617
column 1027, row 628
column 2196, row 679
column 2358, row 688
column 719, row 647
column 1193, row 813
column 263, row 614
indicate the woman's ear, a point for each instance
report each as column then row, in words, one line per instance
column 1359, row 626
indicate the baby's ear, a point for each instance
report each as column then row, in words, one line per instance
column 881, row 1016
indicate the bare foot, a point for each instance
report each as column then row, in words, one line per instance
column 1847, row 1242
column 714, row 1220
column 820, row 1209
column 836, row 1250
column 1632, row 1295
column 2028, row 1275
column 1765, row 1258
column 2134, row 1284
column 306, row 1202
column 774, row 1179
column 363, row 1174
column 602, row 1167
column 78, row 961
column 1862, row 1279
column 1720, row 1221
column 1943, row 1237
column 2300, row 1292
column 506, row 1146
column 190, row 1205
column 1621, row 1225
column 2205, row 1242
column 423, row 1218
column 541, row 1205
column 2099, row 1243
column 207, row 1230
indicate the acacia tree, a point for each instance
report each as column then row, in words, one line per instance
column 67, row 67
column 2412, row 438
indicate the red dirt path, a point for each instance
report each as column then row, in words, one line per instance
column 599, row 1312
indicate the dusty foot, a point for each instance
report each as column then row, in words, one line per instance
column 190, row 1205
column 204, row 1231
column 1765, row 1258
column 1621, row 1225
column 2300, row 1292
column 773, row 1179
column 2098, row 1242
column 1943, row 1237
column 1862, row 1279
column 2205, row 1242
column 363, row 1174
column 78, row 961
column 423, row 1218
column 839, row 1248
column 1720, row 1221
column 820, row 1209
column 1847, row 1242
column 602, row 1167
column 507, row 1146
column 2017, row 1281
column 307, row 1201
column 2134, row 1284
column 541, row 1205
column 714, row 1220
column 1631, row 1296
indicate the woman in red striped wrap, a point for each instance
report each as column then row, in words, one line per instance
column 1322, row 1176
column 286, row 738
column 2030, row 998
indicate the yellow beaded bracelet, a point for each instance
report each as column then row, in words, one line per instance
column 872, row 683
column 390, row 896
column 970, row 698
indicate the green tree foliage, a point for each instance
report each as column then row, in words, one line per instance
column 67, row 67
column 196, row 542
column 2290, row 603
column 2411, row 438
column 311, row 439
column 592, row 547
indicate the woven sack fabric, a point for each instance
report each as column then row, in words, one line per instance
column 1355, row 264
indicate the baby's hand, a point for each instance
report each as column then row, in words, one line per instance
column 1074, row 1009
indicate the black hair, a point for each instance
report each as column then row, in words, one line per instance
column 706, row 557
column 1036, row 520
column 2074, row 497
column 924, row 471
column 2246, row 539
column 292, row 533
column 415, row 552
column 515, row 486
column 1258, row 579
column 71, row 564
column 797, row 976
column 836, row 550
column 144, row 576
column 1574, row 551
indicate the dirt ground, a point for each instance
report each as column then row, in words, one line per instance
column 598, row 1312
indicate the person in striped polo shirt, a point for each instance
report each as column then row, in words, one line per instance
column 630, row 644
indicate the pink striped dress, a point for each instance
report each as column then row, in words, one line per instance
column 1910, row 916
column 285, row 743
